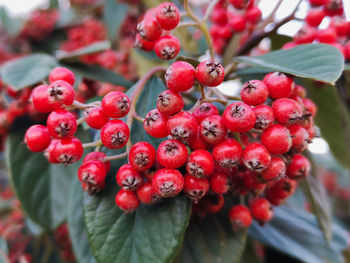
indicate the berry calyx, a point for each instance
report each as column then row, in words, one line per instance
column 254, row 92
column 61, row 94
column 195, row 188
column 67, row 151
column 212, row 129
column 116, row 104
column 169, row 102
column 167, row 182
column 200, row 164
column 265, row 117
column 142, row 156
column 115, row 134
column 172, row 154
column 167, row 47
column 256, row 157
column 210, row 73
column 287, row 111
column 182, row 125
column 93, row 174
column 61, row 124
column 155, row 124
column 128, row 178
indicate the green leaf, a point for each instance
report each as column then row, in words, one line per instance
column 212, row 240
column 114, row 15
column 28, row 70
column 90, row 49
column 98, row 73
column 12, row 25
column 277, row 41
column 297, row 233
column 314, row 61
column 76, row 224
column 53, row 4
column 3, row 251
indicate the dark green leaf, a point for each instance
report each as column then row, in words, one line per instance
column 314, row 61
column 277, row 41
column 12, row 25
column 347, row 67
column 76, row 224
column 90, row 49
column 98, row 73
column 28, row 70
column 114, row 15
column 54, row 4
column 297, row 233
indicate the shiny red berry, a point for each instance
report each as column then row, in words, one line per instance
column 279, row 85
column 116, row 104
column 210, row 73
column 300, row 137
column 256, row 157
column 144, row 44
column 275, row 171
column 239, row 4
column 237, row 22
column 61, row 94
column 155, row 124
column 220, row 183
column 254, row 92
column 168, row 15
column 287, row 111
column 97, row 156
column 115, row 134
column 227, row 153
column 169, row 102
column 200, row 163
column 149, row 29
column 142, row 156
column 305, row 35
column 299, row 167
column 278, row 191
column 167, row 47
column 250, row 181
column 212, row 129
column 315, row 16
column 239, row 117
column 61, row 124
column 195, row 188
column 37, row 138
column 93, row 174
column 310, row 107
column 61, row 73
column 40, row 99
column 180, row 76
column 127, row 201
column 240, row 217
column 205, row 110
column 196, row 142
column 146, row 194
column 182, row 125
column 265, row 117
column 128, row 178
column 276, row 139
column 172, row 154
column 95, row 117
column 67, row 151
column 261, row 210
column 253, row 15
column 299, row 91
column 167, row 182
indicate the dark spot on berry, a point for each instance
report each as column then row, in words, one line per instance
column 118, row 138
column 141, row 159
column 237, row 111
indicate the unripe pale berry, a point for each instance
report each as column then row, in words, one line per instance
column 167, row 182
column 210, row 73
column 37, row 138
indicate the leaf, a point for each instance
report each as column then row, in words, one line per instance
column 114, row 14
column 296, row 233
column 98, row 73
column 277, row 41
column 3, row 251
column 314, row 61
column 12, row 25
column 27, row 71
column 89, row 49
column 76, row 224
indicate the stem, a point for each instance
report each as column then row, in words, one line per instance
column 80, row 121
column 271, row 16
column 138, row 118
column 187, row 24
column 115, row 157
column 82, row 106
column 92, row 144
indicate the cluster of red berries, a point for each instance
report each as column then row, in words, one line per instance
column 227, row 18
column 336, row 34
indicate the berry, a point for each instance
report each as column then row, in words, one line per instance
column 146, row 194
column 142, row 156
column 219, row 183
column 172, row 154
column 219, row 15
column 143, row 44
column 168, row 15
column 182, row 125
column 37, row 138
column 61, row 94
column 61, row 73
column 300, row 137
column 149, row 29
column 279, row 85
column 95, row 117
column 127, row 200
column 213, row 203
column 93, row 174
column 261, row 210
column 275, row 171
column 200, row 163
column 67, row 151
column 155, row 124
column 318, row 2
column 97, row 156
column 116, row 104
column 169, row 102
column 239, row 117
column 239, row 4
column 240, row 217
column 128, row 178
column 287, row 111
column 310, row 107
column 276, row 139
column 256, row 157
column 278, row 191
column 253, row 15
column 50, row 152
column 328, row 35
column 40, row 99
column 167, row 47
column 180, row 76
column 265, row 117
column 212, row 129
column 250, row 181
column 299, row 91
column 195, row 188
column 340, row 25
column 61, row 124
column 254, row 92
column 305, row 35
column 167, row 182
column 210, row 73
column 205, row 110
column 314, row 17
column 300, row 167
column 228, row 153
column 115, row 134
column 237, row 23
column 334, row 8
column 196, row 142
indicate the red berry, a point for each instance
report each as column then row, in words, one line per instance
column 310, row 107
column 210, row 73
column 61, row 124
column 196, row 142
column 200, row 163
column 239, row 4
column 253, row 15
column 168, row 15
column 116, row 104
column 305, row 35
column 276, row 139
column 219, row 15
column 279, row 85
column 287, row 111
column 182, row 125
column 195, row 188
column 340, row 25
column 205, row 110
column 237, row 23
column 300, row 137
column 256, row 157
column 239, row 117
column 334, row 8
column 167, row 182
column 180, row 76
column 318, row 2
column 278, row 191
column 167, row 47
column 127, row 200
column 254, row 92
column 95, row 117
column 50, row 152
column 299, row 91
column 67, row 151
column 228, row 153
column 169, row 102
column 275, row 171
column 212, row 129
column 240, row 217
column 250, row 181
column 37, row 138
column 93, row 174
column 314, row 17
column 142, row 156
column 172, row 154
column 265, row 117
column 97, row 156
column 143, row 44
column 40, row 99
column 213, row 203
column 128, row 178
column 115, row 134
column 327, row 35
column 149, row 29
column 261, row 210
column 299, row 167
column 61, row 73
column 155, row 124
column 146, row 194
column 219, row 183
column 61, row 94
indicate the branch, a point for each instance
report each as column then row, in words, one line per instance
column 115, row 157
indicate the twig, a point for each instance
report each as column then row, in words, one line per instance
column 138, row 118
column 115, row 157
column 187, row 24
column 80, row 121
column 92, row 144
